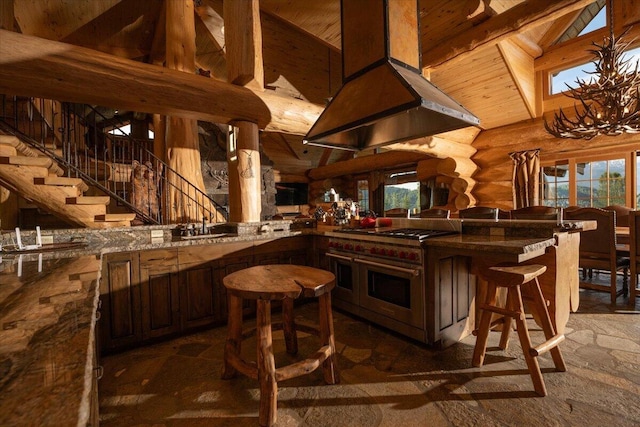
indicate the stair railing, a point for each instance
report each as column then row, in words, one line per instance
column 120, row 166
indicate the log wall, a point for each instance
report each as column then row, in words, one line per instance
column 493, row 178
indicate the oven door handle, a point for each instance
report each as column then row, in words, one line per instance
column 411, row 271
column 342, row 257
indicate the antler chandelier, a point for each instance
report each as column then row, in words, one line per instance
column 608, row 104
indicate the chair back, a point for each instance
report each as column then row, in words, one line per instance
column 601, row 240
column 634, row 237
column 479, row 212
column 535, row 212
column 435, row 213
column 622, row 214
column 396, row 213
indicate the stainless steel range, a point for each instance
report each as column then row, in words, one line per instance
column 380, row 276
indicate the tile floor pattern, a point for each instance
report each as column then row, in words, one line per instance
column 387, row 380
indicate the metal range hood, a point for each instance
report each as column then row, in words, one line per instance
column 384, row 98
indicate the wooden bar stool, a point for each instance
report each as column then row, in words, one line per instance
column 266, row 283
column 520, row 281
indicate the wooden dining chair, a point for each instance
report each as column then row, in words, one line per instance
column 479, row 212
column 535, row 213
column 435, row 213
column 396, row 213
column 634, row 252
column 598, row 247
column 622, row 214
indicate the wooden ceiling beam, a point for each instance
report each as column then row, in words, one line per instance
column 31, row 66
column 520, row 65
column 516, row 20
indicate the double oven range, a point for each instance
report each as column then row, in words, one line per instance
column 380, row 276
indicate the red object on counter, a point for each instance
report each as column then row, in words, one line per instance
column 368, row 222
column 384, row 222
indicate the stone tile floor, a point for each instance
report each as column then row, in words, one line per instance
column 387, row 380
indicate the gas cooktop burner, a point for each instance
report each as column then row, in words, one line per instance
column 403, row 233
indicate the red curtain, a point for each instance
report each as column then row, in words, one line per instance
column 526, row 178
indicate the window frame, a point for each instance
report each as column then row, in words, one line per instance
column 632, row 159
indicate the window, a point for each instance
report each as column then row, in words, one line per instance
column 402, row 190
column 561, row 79
column 363, row 195
column 601, row 183
column 590, row 182
column 555, row 185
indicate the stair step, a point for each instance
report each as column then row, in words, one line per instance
column 43, row 162
column 88, row 200
column 62, row 181
column 7, row 151
column 21, row 147
column 10, row 140
column 115, row 217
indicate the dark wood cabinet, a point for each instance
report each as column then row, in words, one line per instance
column 158, row 293
column 120, row 322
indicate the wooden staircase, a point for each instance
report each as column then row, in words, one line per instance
column 39, row 179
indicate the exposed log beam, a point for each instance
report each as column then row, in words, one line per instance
column 31, row 66
column 243, row 37
column 514, row 21
column 324, row 158
column 520, row 65
column 576, row 51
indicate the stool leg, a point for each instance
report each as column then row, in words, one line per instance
column 506, row 330
column 234, row 335
column 330, row 365
column 266, row 365
column 483, row 330
column 514, row 301
column 545, row 321
column 289, row 326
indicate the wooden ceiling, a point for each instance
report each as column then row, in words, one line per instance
column 481, row 52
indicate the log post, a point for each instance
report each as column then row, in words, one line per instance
column 243, row 38
column 183, row 152
column 243, row 157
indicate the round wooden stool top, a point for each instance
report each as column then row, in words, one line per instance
column 279, row 281
column 512, row 275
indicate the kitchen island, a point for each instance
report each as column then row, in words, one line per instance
column 49, row 307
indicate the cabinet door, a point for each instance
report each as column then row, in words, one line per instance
column 200, row 296
column 120, row 323
column 159, row 293
column 320, row 259
column 229, row 265
column 454, row 297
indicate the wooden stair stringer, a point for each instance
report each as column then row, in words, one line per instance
column 20, row 178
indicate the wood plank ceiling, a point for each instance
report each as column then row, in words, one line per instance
column 301, row 51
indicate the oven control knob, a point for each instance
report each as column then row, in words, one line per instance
column 392, row 253
column 402, row 254
column 348, row 246
column 358, row 248
column 373, row 250
column 413, row 256
column 330, row 244
column 383, row 251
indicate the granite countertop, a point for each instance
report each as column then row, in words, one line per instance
column 48, row 306
column 520, row 248
column 48, row 313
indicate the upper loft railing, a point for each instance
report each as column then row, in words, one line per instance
column 118, row 165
